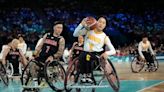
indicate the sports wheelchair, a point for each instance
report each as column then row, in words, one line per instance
column 137, row 65
column 3, row 74
column 52, row 72
column 107, row 72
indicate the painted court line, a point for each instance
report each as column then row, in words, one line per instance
column 150, row 86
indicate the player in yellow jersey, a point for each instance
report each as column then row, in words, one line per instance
column 94, row 42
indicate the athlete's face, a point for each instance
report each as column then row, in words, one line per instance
column 58, row 28
column 145, row 39
column 101, row 23
column 21, row 39
column 80, row 39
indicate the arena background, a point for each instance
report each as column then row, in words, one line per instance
column 127, row 21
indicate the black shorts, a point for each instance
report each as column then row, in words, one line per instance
column 41, row 59
column 87, row 61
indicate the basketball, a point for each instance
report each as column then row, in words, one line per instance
column 91, row 22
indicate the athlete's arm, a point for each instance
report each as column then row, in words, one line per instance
column 151, row 50
column 140, row 50
column 73, row 46
column 80, row 29
column 60, row 51
column 24, row 48
column 40, row 45
column 4, row 55
column 39, row 41
column 23, row 58
column 111, row 48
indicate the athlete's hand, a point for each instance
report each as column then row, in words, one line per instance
column 143, row 59
column 50, row 58
column 32, row 58
column 83, row 22
column 104, row 55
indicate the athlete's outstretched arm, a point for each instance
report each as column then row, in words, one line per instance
column 23, row 58
column 40, row 45
column 24, row 49
column 4, row 54
column 39, row 41
column 151, row 50
column 60, row 51
column 140, row 50
column 111, row 48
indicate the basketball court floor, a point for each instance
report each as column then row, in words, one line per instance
column 129, row 82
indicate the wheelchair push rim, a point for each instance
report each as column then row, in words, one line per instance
column 136, row 65
column 55, row 75
column 4, row 75
column 111, row 75
column 26, row 77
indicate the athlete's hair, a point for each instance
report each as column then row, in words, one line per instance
column 144, row 35
column 20, row 35
column 57, row 22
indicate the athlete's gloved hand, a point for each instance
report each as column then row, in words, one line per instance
column 50, row 59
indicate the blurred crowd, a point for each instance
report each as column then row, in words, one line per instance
column 124, row 28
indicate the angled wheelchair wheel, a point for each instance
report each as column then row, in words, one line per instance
column 26, row 77
column 54, row 75
column 111, row 74
column 71, row 74
column 10, row 69
column 72, row 81
column 3, row 75
column 155, row 66
column 136, row 65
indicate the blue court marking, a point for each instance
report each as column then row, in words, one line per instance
column 125, row 86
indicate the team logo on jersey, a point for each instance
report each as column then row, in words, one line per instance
column 14, row 53
column 51, row 42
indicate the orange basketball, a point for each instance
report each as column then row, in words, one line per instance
column 91, row 22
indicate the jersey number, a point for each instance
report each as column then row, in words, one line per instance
column 48, row 48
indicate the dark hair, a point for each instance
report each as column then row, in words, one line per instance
column 144, row 35
column 20, row 35
column 57, row 22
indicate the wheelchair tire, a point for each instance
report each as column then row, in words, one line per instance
column 4, row 75
column 51, row 78
column 70, row 73
column 136, row 65
column 111, row 77
column 156, row 64
column 26, row 74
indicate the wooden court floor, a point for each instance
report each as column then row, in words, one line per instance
column 129, row 82
column 124, row 73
